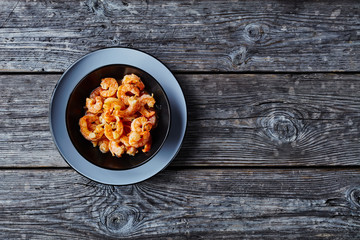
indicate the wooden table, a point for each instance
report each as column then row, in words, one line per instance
column 272, row 148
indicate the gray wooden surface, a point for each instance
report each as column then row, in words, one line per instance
column 234, row 120
column 188, row 35
column 272, row 149
column 228, row 203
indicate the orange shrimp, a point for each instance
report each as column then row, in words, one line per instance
column 140, row 124
column 152, row 120
column 104, row 145
column 134, row 106
column 147, row 100
column 94, row 143
column 109, row 86
column 96, row 92
column 112, row 103
column 139, row 139
column 87, row 122
column 147, row 113
column 113, row 131
column 119, row 117
column 125, row 140
column 147, row 146
column 133, row 79
column 107, row 117
column 116, row 148
column 94, row 105
column 131, row 151
column 125, row 91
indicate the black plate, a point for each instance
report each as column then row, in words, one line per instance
column 137, row 171
column 75, row 110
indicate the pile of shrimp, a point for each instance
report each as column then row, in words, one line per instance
column 119, row 117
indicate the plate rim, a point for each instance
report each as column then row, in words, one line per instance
column 161, row 164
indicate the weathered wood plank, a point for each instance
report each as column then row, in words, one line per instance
column 228, row 203
column 186, row 35
column 234, row 120
column 272, row 119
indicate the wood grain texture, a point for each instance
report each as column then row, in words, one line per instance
column 228, row 203
column 272, row 119
column 234, row 120
column 187, row 35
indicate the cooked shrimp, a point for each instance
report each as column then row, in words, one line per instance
column 92, row 125
column 152, row 120
column 96, row 92
column 116, row 148
column 87, row 121
column 104, row 145
column 139, row 139
column 148, row 100
column 133, row 79
column 109, row 86
column 113, row 131
column 94, row 105
column 140, row 124
column 125, row 140
column 131, row 151
column 147, row 113
column 128, row 118
column 134, row 106
column 125, row 91
column 94, row 143
column 107, row 117
column 112, row 103
column 119, row 118
column 147, row 147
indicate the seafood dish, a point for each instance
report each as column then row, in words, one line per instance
column 119, row 116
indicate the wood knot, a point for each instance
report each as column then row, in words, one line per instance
column 120, row 220
column 354, row 196
column 96, row 6
column 238, row 56
column 107, row 8
column 280, row 126
column 255, row 32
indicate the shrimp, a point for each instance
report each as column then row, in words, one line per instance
column 116, row 148
column 140, row 124
column 147, row 146
column 147, row 100
column 125, row 140
column 119, row 117
column 94, row 105
column 147, row 113
column 125, row 90
column 139, row 139
column 113, row 131
column 107, row 117
column 104, row 145
column 112, row 103
column 128, row 118
column 131, row 151
column 133, row 79
column 94, row 143
column 134, row 106
column 109, row 86
column 87, row 122
column 96, row 92
column 152, row 120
